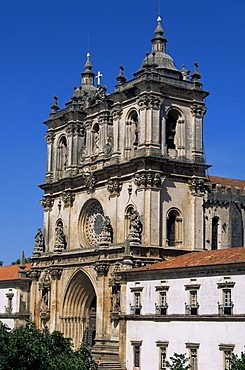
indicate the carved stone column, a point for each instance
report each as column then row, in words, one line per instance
column 70, row 131
column 50, row 156
column 116, row 114
column 198, row 110
column 89, row 141
column 197, row 189
column 149, row 133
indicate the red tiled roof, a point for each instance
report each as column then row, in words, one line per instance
column 223, row 181
column 11, row 272
column 205, row 258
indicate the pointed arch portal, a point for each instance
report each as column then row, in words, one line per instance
column 78, row 319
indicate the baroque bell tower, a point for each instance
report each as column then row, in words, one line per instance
column 124, row 188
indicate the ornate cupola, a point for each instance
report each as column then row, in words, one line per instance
column 159, row 59
column 159, row 42
column 88, row 74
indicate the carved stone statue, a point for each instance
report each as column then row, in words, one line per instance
column 60, row 242
column 39, row 243
column 106, row 232
column 135, row 228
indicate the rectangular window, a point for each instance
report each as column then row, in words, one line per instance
column 227, row 359
column 193, row 359
column 227, row 302
column 136, row 353
column 137, row 302
column 163, row 358
column 136, row 356
column 193, row 355
column 227, row 350
column 193, row 302
column 163, row 303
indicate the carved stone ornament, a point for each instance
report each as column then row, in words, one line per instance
column 45, row 281
column 39, row 244
column 68, row 198
column 45, row 288
column 149, row 101
column 79, row 129
column 88, row 123
column 115, row 298
column 50, row 137
column 34, row 274
column 90, row 180
column 197, row 187
column 47, row 202
column 60, row 241
column 55, row 273
column 135, row 228
column 70, row 129
column 105, row 118
column 106, row 232
column 101, row 268
column 198, row 110
column 114, row 186
column 108, row 146
column 100, row 94
column 116, row 113
column 148, row 180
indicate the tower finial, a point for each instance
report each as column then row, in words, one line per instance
column 159, row 30
column 22, row 266
column 88, row 43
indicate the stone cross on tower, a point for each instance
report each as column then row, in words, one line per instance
column 99, row 76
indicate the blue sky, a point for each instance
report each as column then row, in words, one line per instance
column 43, row 47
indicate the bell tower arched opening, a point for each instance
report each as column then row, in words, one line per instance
column 78, row 319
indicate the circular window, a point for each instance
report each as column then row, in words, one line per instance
column 91, row 223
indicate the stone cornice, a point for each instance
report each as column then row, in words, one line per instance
column 195, row 318
column 194, row 271
column 125, row 169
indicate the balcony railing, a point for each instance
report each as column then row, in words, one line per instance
column 225, row 309
column 135, row 310
column 161, row 309
column 191, row 309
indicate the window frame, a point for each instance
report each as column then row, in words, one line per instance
column 193, row 354
column 136, row 344
column 136, row 307
column 192, row 307
column 226, row 348
column 163, row 346
column 226, row 288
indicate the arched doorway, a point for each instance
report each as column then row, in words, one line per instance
column 78, row 319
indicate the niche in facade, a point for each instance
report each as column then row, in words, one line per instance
column 174, row 228
column 171, row 124
column 132, row 134
column 61, row 156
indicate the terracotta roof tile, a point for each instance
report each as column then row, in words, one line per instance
column 205, row 258
column 223, row 181
column 11, row 272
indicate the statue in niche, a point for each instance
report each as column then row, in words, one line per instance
column 135, row 228
column 106, row 232
column 108, row 145
column 39, row 243
column 44, row 305
column 60, row 242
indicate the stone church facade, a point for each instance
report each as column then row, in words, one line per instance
column 125, row 187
